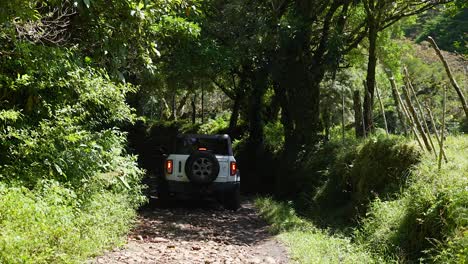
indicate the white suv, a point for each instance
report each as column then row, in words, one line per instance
column 202, row 165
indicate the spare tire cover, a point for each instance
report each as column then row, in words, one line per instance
column 202, row 167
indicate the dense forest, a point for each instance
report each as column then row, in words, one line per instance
column 349, row 116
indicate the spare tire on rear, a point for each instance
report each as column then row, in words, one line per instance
column 202, row 167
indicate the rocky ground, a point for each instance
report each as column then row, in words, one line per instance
column 198, row 233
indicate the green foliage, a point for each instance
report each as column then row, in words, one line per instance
column 9, row 115
column 281, row 215
column 429, row 78
column 62, row 154
column 377, row 167
column 50, row 224
column 68, row 189
column 448, row 30
column 306, row 243
column 274, row 136
column 414, row 212
column 71, row 143
column 240, row 144
column 427, row 221
column 380, row 167
column 217, row 125
column 71, row 190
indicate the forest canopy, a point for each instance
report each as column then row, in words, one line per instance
column 87, row 85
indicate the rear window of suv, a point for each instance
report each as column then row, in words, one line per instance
column 187, row 145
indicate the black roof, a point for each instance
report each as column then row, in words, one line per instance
column 217, row 136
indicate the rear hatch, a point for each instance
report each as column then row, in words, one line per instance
column 218, row 145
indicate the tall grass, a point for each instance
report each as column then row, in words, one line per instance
column 405, row 210
column 306, row 243
column 428, row 221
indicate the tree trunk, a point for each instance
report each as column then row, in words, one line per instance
column 416, row 120
column 423, row 118
column 358, row 122
column 173, row 113
column 326, row 120
column 203, row 105
column 273, row 109
column 299, row 74
column 301, row 86
column 343, row 132
column 382, row 108
column 396, row 101
column 370, row 79
column 183, row 101
column 254, row 157
column 260, row 84
column 443, row 128
column 450, row 75
column 167, row 109
column 299, row 68
column 411, row 123
column 439, row 140
column 194, row 110
column 235, row 111
column 304, row 113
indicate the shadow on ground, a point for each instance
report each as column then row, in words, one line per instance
column 198, row 231
column 201, row 220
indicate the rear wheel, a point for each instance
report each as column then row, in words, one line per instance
column 202, row 167
column 231, row 199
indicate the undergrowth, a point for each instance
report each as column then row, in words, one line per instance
column 408, row 211
column 355, row 173
column 306, row 243
column 428, row 221
column 68, row 188
column 50, row 225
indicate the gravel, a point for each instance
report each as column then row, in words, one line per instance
column 201, row 232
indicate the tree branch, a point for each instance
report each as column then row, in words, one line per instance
column 231, row 94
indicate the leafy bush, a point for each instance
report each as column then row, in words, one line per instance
column 274, row 136
column 63, row 150
column 428, row 220
column 217, row 125
column 381, row 167
column 378, row 167
column 68, row 189
column 50, row 224
column 448, row 30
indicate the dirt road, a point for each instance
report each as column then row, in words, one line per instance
column 188, row 233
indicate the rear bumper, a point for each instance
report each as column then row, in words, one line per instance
column 179, row 189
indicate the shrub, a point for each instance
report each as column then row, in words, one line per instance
column 218, row 125
column 51, row 224
column 377, row 167
column 62, row 150
column 274, row 136
column 381, row 167
column 68, row 189
column 428, row 220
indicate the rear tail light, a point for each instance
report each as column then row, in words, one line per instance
column 233, row 168
column 169, row 166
